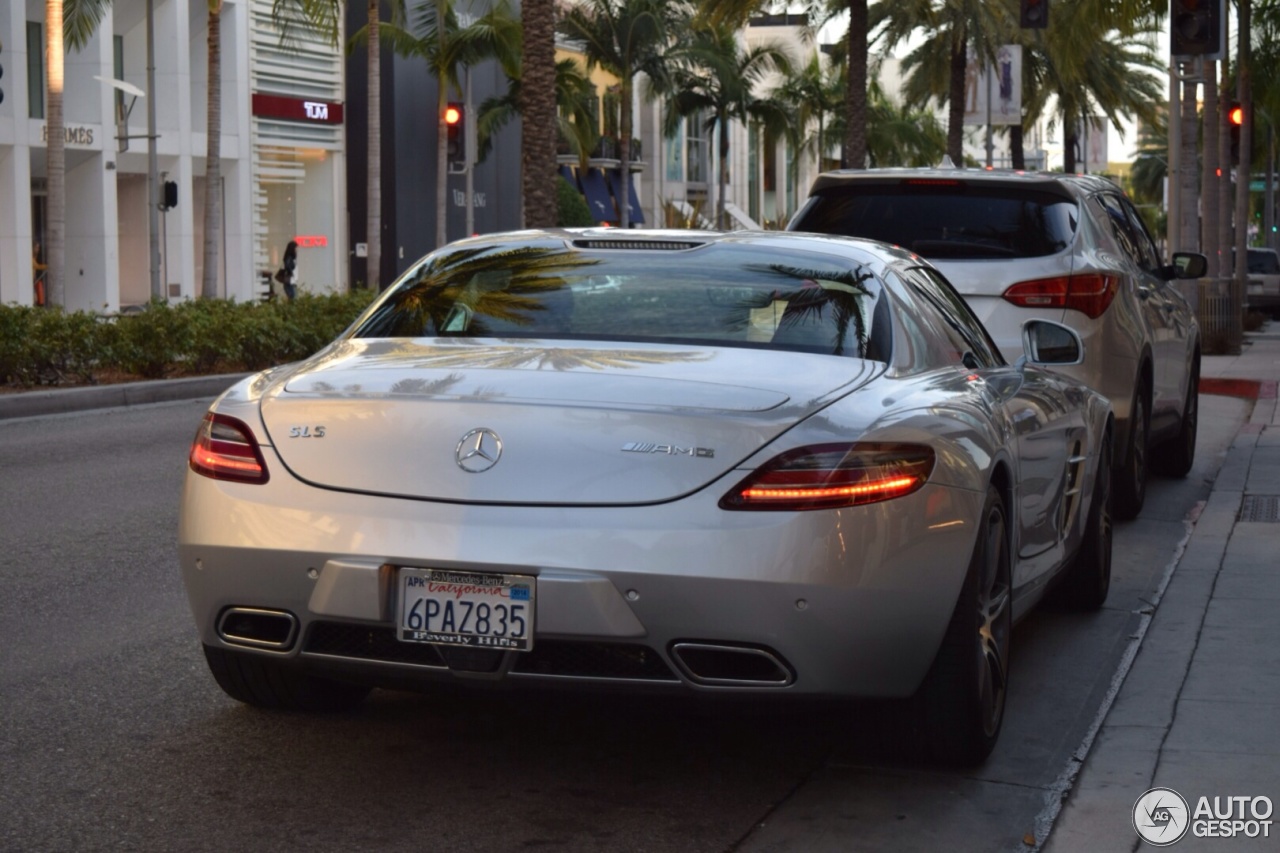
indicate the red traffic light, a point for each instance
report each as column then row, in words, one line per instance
column 1235, row 115
column 452, row 114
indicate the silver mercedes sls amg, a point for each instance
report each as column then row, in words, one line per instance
column 745, row 463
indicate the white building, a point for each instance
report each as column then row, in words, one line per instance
column 283, row 166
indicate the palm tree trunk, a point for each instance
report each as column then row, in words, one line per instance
column 722, row 179
column 955, row 98
column 1189, row 189
column 373, row 157
column 624, row 153
column 213, row 156
column 1209, row 172
column 855, row 101
column 538, row 126
column 56, row 210
column 1244, row 94
column 1225, row 209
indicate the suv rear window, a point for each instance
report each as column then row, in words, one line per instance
column 946, row 220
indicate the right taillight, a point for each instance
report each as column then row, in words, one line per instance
column 830, row 476
column 225, row 449
column 1088, row 293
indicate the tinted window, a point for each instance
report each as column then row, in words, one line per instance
column 1263, row 262
column 1148, row 244
column 1122, row 229
column 947, row 219
column 722, row 295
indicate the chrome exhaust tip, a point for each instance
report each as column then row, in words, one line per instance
column 727, row 665
column 258, row 628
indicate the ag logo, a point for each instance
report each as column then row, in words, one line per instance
column 1160, row 817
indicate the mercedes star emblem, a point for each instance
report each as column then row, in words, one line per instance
column 478, row 451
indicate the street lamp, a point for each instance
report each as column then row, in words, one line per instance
column 122, row 118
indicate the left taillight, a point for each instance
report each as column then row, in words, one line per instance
column 225, row 449
column 830, row 476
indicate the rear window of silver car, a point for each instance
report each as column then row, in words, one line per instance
column 720, row 295
column 946, row 219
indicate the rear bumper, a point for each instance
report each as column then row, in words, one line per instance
column 850, row 603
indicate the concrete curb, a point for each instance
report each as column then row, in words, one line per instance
column 62, row 400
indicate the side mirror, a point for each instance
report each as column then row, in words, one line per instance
column 1049, row 343
column 1187, row 265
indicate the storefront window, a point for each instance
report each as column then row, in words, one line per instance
column 673, row 151
column 35, row 70
column 697, row 151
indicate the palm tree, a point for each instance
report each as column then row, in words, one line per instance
column 855, row 100
column 950, row 28
column 899, row 135
column 716, row 78
column 625, row 38
column 537, row 102
column 213, row 155
column 575, row 98
column 436, row 34
column 71, row 24
column 1092, row 63
column 814, row 94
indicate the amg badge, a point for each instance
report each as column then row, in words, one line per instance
column 668, row 449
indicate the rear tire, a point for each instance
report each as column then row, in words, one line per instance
column 1181, row 449
column 1130, row 487
column 265, row 683
column 960, row 705
column 1086, row 582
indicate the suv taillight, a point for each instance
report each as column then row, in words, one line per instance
column 1088, row 293
column 225, row 449
column 829, row 476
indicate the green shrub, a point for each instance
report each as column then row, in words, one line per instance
column 571, row 207
column 47, row 346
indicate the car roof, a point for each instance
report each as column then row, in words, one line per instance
column 877, row 254
column 1078, row 185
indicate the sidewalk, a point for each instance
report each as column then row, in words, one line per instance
column 57, row 401
column 1199, row 709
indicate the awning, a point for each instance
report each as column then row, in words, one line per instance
column 567, row 174
column 633, row 200
column 598, row 198
column 740, row 216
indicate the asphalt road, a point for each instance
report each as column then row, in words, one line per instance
column 114, row 736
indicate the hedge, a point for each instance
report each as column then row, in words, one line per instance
column 47, row 346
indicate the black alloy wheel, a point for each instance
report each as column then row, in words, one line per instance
column 960, row 706
column 1130, row 487
column 1181, row 449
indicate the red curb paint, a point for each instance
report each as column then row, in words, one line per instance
column 1249, row 389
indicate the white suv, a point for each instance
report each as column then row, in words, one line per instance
column 1069, row 248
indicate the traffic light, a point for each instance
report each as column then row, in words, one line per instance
column 1035, row 14
column 1235, row 120
column 1, row 71
column 1195, row 27
column 456, row 126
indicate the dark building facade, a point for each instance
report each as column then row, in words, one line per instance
column 409, row 134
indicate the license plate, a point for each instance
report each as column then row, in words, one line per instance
column 467, row 609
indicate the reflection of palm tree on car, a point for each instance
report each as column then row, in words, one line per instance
column 508, row 286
